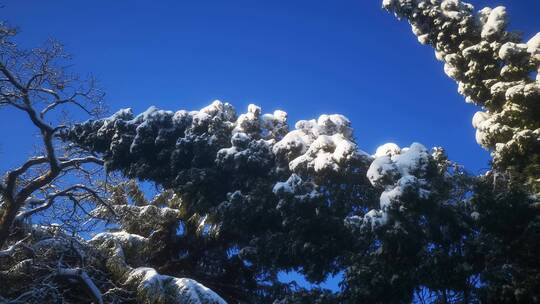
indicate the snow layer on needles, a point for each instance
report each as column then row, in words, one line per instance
column 167, row 289
column 252, row 138
column 121, row 236
column 533, row 47
column 290, row 186
column 391, row 162
column 321, row 145
column 120, row 248
column 256, row 125
column 397, row 171
column 217, row 108
column 495, row 21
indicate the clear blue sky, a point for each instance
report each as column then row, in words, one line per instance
column 307, row 57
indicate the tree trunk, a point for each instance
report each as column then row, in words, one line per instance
column 7, row 219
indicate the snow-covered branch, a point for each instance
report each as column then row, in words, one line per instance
column 494, row 68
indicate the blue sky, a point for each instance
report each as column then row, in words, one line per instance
column 307, row 57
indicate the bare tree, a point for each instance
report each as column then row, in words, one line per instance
column 38, row 82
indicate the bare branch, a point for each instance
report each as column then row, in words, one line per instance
column 46, row 203
column 33, row 78
column 11, row 78
column 14, row 174
column 68, row 192
column 59, row 101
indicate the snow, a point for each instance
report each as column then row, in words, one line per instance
column 388, row 166
column 321, row 145
column 313, row 150
column 325, row 153
column 396, row 171
column 216, row 110
column 387, row 3
column 512, row 50
column 318, row 146
column 122, row 236
column 451, row 71
column 166, row 289
column 275, row 124
column 523, row 91
column 389, row 149
column 495, row 23
column 150, row 286
column 533, row 47
column 293, row 144
column 109, row 122
column 252, row 138
column 245, row 153
column 202, row 224
column 376, row 218
column 488, row 130
column 139, row 220
column 478, row 118
column 411, row 159
column 381, row 169
column 290, row 186
column 220, row 109
column 335, row 123
column 256, row 125
column 249, row 121
column 454, row 9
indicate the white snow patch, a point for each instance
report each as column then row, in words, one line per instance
column 396, row 171
column 170, row 289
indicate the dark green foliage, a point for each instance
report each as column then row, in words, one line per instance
column 448, row 237
column 245, row 214
column 508, row 243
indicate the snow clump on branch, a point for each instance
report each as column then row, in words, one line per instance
column 402, row 174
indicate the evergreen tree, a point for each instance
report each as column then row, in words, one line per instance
column 243, row 197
